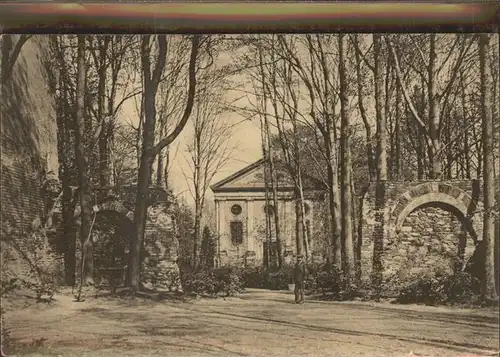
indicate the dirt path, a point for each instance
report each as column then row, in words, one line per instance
column 259, row 323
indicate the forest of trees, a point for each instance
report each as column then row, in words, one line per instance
column 345, row 108
column 358, row 108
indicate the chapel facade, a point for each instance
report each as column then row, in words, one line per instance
column 241, row 208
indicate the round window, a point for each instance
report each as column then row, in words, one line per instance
column 236, row 209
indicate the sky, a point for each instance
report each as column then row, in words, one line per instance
column 245, row 138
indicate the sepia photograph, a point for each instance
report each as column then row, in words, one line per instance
column 233, row 191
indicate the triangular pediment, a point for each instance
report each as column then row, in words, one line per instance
column 252, row 177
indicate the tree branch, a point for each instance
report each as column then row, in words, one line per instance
column 190, row 99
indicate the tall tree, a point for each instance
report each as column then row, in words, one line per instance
column 380, row 114
column 346, row 172
column 362, row 88
column 149, row 150
column 488, row 287
column 437, row 91
column 83, row 175
column 208, row 149
column 65, row 114
column 268, row 153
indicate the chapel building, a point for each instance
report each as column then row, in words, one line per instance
column 241, row 208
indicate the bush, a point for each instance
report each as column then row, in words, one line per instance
column 278, row 279
column 28, row 258
column 228, row 281
column 198, row 283
column 441, row 288
column 27, row 262
column 324, row 279
column 462, row 288
column 254, row 277
column 223, row 280
column 320, row 278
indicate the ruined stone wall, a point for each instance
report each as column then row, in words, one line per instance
column 432, row 238
column 28, row 132
column 418, row 225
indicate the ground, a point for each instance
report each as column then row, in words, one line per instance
column 257, row 323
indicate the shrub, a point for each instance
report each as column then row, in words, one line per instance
column 254, row 277
column 172, row 279
column 260, row 277
column 224, row 280
column 278, row 279
column 228, row 281
column 199, row 282
column 441, row 288
column 462, row 288
column 28, row 258
column 324, row 279
column 320, row 278
column 27, row 262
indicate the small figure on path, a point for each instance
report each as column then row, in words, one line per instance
column 300, row 277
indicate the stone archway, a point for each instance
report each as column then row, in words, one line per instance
column 432, row 227
column 112, row 231
column 438, row 193
column 112, row 206
column 389, row 208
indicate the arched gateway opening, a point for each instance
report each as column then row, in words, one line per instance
column 111, row 234
column 431, row 230
column 433, row 237
column 412, row 228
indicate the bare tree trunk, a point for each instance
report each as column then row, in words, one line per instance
column 166, row 168
column 304, row 232
column 364, row 116
column 356, row 242
column 381, row 120
column 160, row 170
column 274, row 185
column 267, row 215
column 149, row 150
column 334, row 199
column 146, row 162
column 104, row 166
column 347, row 239
column 198, row 199
column 81, row 159
column 274, row 180
column 489, row 292
column 299, row 228
column 397, row 136
column 65, row 151
column 434, row 142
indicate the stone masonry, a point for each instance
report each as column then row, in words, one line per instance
column 160, row 241
column 411, row 227
column 28, row 134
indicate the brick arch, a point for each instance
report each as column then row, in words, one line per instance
column 113, row 206
column 434, row 192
